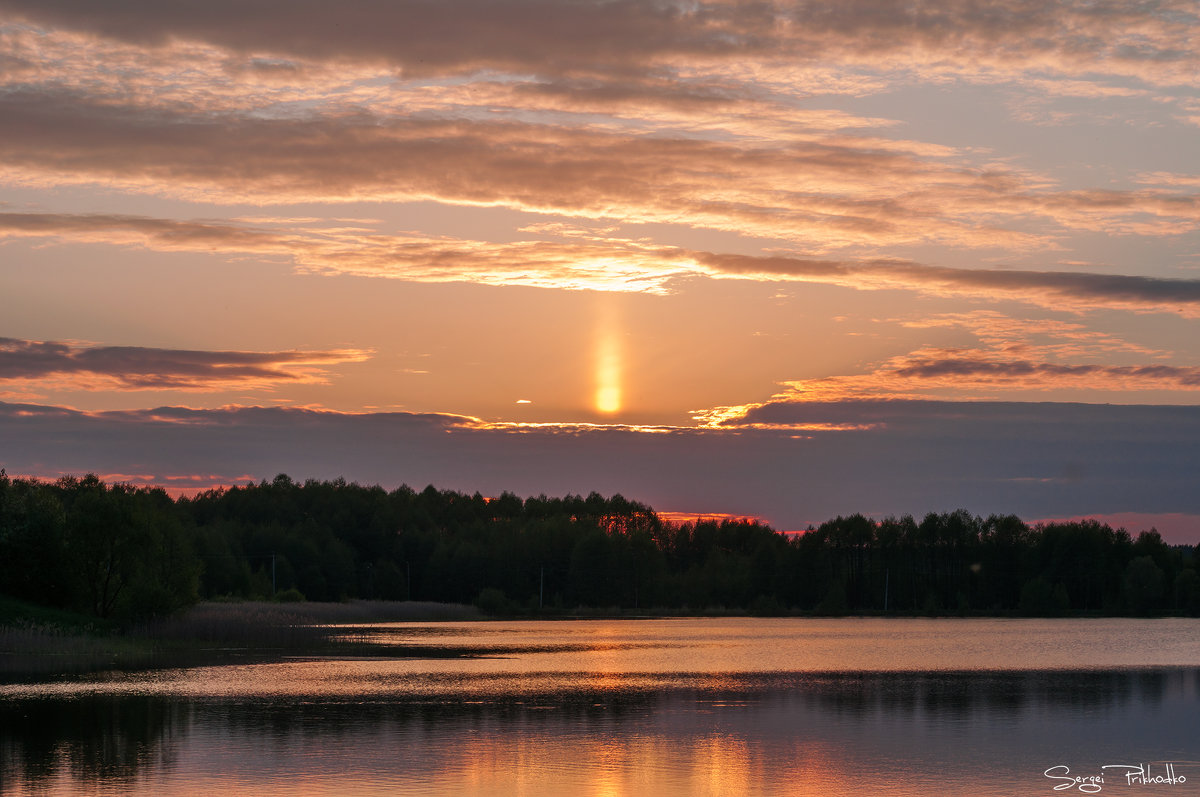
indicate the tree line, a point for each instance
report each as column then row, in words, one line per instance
column 119, row 551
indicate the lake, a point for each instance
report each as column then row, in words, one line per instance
column 665, row 707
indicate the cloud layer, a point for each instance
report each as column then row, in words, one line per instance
column 697, row 113
column 823, row 193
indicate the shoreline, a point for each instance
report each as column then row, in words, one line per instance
column 49, row 643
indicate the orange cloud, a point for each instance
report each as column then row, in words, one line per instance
column 583, row 260
column 588, row 259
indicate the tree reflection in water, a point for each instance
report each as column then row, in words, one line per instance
column 753, row 733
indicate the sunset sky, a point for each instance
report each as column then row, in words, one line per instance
column 780, row 259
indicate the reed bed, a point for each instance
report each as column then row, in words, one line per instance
column 41, row 648
column 265, row 624
column 206, row 631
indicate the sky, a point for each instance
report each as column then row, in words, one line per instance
column 786, row 260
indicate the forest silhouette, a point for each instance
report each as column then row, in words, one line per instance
column 127, row 553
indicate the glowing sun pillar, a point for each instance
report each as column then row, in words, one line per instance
column 608, row 358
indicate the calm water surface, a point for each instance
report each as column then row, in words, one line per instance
column 655, row 707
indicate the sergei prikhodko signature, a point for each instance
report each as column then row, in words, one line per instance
column 1158, row 774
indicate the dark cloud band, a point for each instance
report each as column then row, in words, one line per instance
column 1033, row 459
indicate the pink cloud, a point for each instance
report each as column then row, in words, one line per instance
column 825, row 192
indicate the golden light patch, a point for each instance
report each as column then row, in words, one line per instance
column 608, row 361
column 608, row 399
